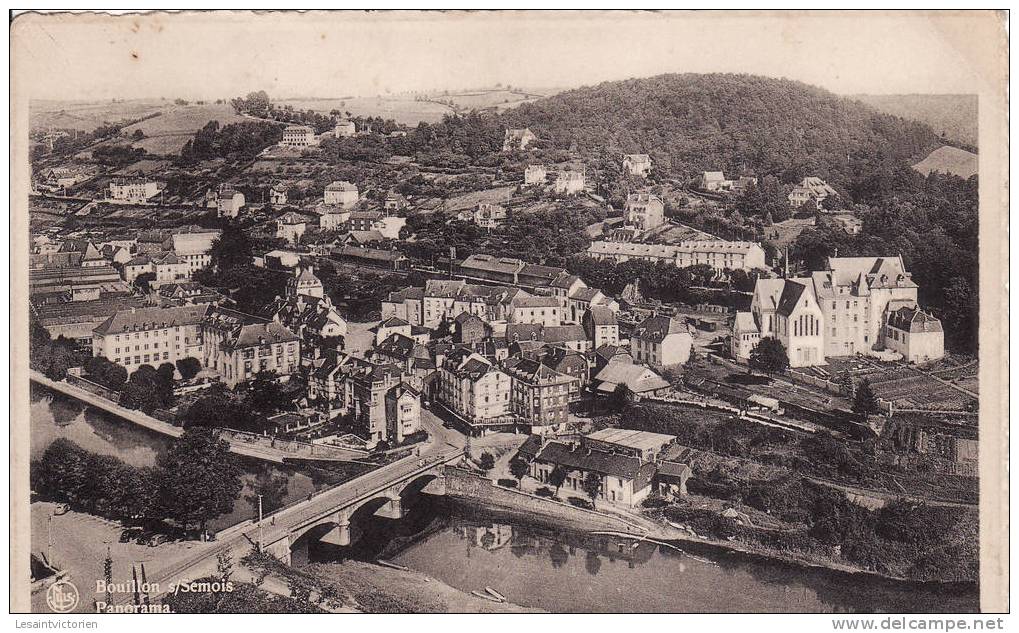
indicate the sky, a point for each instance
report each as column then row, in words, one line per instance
column 202, row 56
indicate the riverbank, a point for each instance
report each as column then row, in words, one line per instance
column 365, row 587
column 472, row 489
column 378, row 589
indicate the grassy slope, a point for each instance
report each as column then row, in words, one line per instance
column 953, row 115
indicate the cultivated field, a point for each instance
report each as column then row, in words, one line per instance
column 949, row 160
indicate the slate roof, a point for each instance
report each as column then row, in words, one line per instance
column 152, row 318
column 601, row 315
column 791, row 294
column 913, row 320
column 656, row 328
column 601, row 462
column 638, row 378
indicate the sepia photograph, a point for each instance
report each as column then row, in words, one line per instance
column 674, row 312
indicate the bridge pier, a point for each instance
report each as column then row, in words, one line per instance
column 393, row 508
column 339, row 535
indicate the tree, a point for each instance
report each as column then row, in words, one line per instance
column 197, row 478
column 769, row 356
column 487, row 462
column 189, row 367
column 519, row 468
column 865, row 402
column 845, row 383
column 557, row 477
column 265, row 394
column 144, row 281
column 105, row 372
column 592, row 486
column 622, row 397
column 138, row 135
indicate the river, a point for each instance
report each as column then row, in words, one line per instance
column 470, row 549
column 53, row 415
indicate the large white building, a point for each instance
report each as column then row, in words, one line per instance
column 644, row 211
column 193, row 247
column 811, row 189
column 298, row 136
column 342, row 194
column 535, row 175
column 229, row 202
column 133, row 190
column 661, row 341
column 291, row 226
column 233, row 344
column 841, row 311
column 719, row 254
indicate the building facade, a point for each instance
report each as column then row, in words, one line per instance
column 298, row 136
column 644, row 211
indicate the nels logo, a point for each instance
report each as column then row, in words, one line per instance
column 62, row 596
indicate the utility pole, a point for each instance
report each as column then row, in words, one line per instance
column 49, row 540
column 260, row 523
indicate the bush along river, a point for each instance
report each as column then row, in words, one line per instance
column 470, row 548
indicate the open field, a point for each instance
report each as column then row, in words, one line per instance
column 88, row 115
column 949, row 160
column 499, row 195
column 788, row 231
column 403, row 110
column 165, row 134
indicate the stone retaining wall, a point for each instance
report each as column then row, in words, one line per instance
column 467, row 486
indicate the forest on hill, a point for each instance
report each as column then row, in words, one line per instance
column 737, row 123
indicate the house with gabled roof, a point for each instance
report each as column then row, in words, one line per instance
column 915, row 334
column 518, row 139
column 540, row 395
column 474, row 388
column 661, row 341
column 625, row 480
column 637, row 164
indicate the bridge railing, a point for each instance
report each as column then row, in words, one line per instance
column 284, row 519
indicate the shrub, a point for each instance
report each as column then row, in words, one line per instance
column 654, row 501
column 507, row 483
column 545, row 491
column 580, row 503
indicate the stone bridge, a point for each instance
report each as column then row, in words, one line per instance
column 328, row 516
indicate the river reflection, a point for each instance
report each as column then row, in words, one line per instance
column 53, row 415
column 577, row 572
